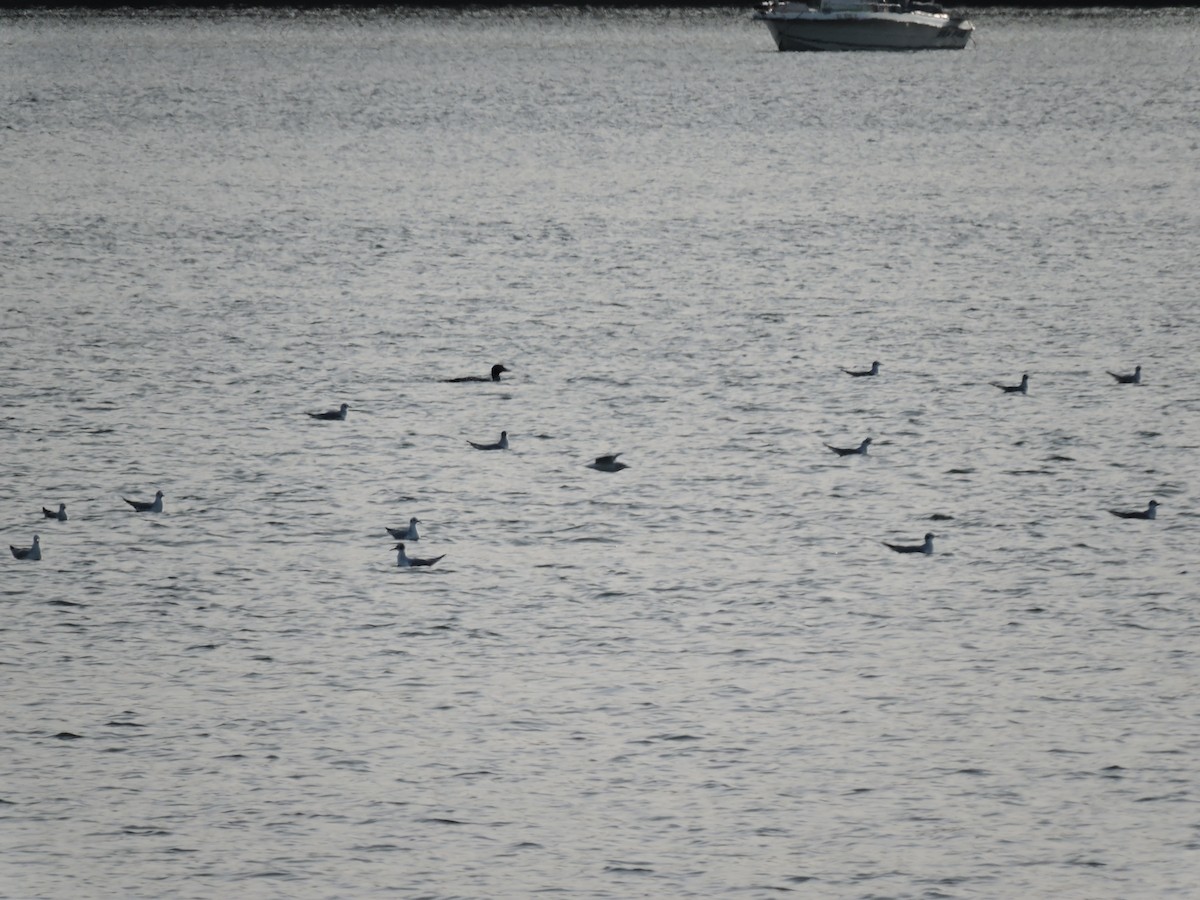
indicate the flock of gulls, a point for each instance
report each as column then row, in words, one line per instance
column 404, row 535
column 1022, row 387
column 926, row 546
column 409, row 533
column 33, row 553
column 607, row 463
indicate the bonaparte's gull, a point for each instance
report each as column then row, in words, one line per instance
column 850, row 451
column 32, row 553
column 495, row 376
column 406, row 534
column 1134, row 377
column 501, row 444
column 607, row 463
column 862, row 373
column 1150, row 512
column 332, row 415
column 926, row 548
column 154, row 505
column 1022, row 388
column 61, row 515
column 405, row 563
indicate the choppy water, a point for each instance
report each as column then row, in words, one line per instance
column 704, row 675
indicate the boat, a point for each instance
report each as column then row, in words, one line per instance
column 859, row 25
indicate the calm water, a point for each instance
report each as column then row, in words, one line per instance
column 702, row 676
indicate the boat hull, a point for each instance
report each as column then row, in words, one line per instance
column 882, row 32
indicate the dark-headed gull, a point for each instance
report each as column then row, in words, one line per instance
column 1022, row 388
column 861, row 449
column 405, row 563
column 862, row 373
column 501, row 444
column 926, row 548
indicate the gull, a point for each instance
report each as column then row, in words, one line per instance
column 495, row 376
column 861, row 373
column 1022, row 388
column 607, row 463
column 338, row 414
column 405, row 563
column 406, row 534
column 1134, row 377
column 61, row 515
column 926, row 548
column 31, row 553
column 1150, row 512
column 501, row 444
column 850, row 451
column 154, row 505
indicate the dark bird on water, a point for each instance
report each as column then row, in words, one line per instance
column 607, row 463
column 1022, row 388
column 926, row 548
column 1134, row 377
column 501, row 444
column 863, row 373
column 1150, row 512
column 61, row 515
column 860, row 450
column 495, row 376
column 332, row 415
column 33, row 553
column 405, row 563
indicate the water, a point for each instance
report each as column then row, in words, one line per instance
column 701, row 676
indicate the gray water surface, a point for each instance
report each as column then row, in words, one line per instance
column 701, row 676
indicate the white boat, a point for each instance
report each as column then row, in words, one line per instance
column 859, row 25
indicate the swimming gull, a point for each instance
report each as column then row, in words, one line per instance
column 338, row 414
column 32, row 553
column 861, row 449
column 1134, row 377
column 1022, row 388
column 926, row 548
column 406, row 534
column 1150, row 512
column 154, row 505
column 862, row 373
column 61, row 515
column 501, row 444
column 405, row 563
